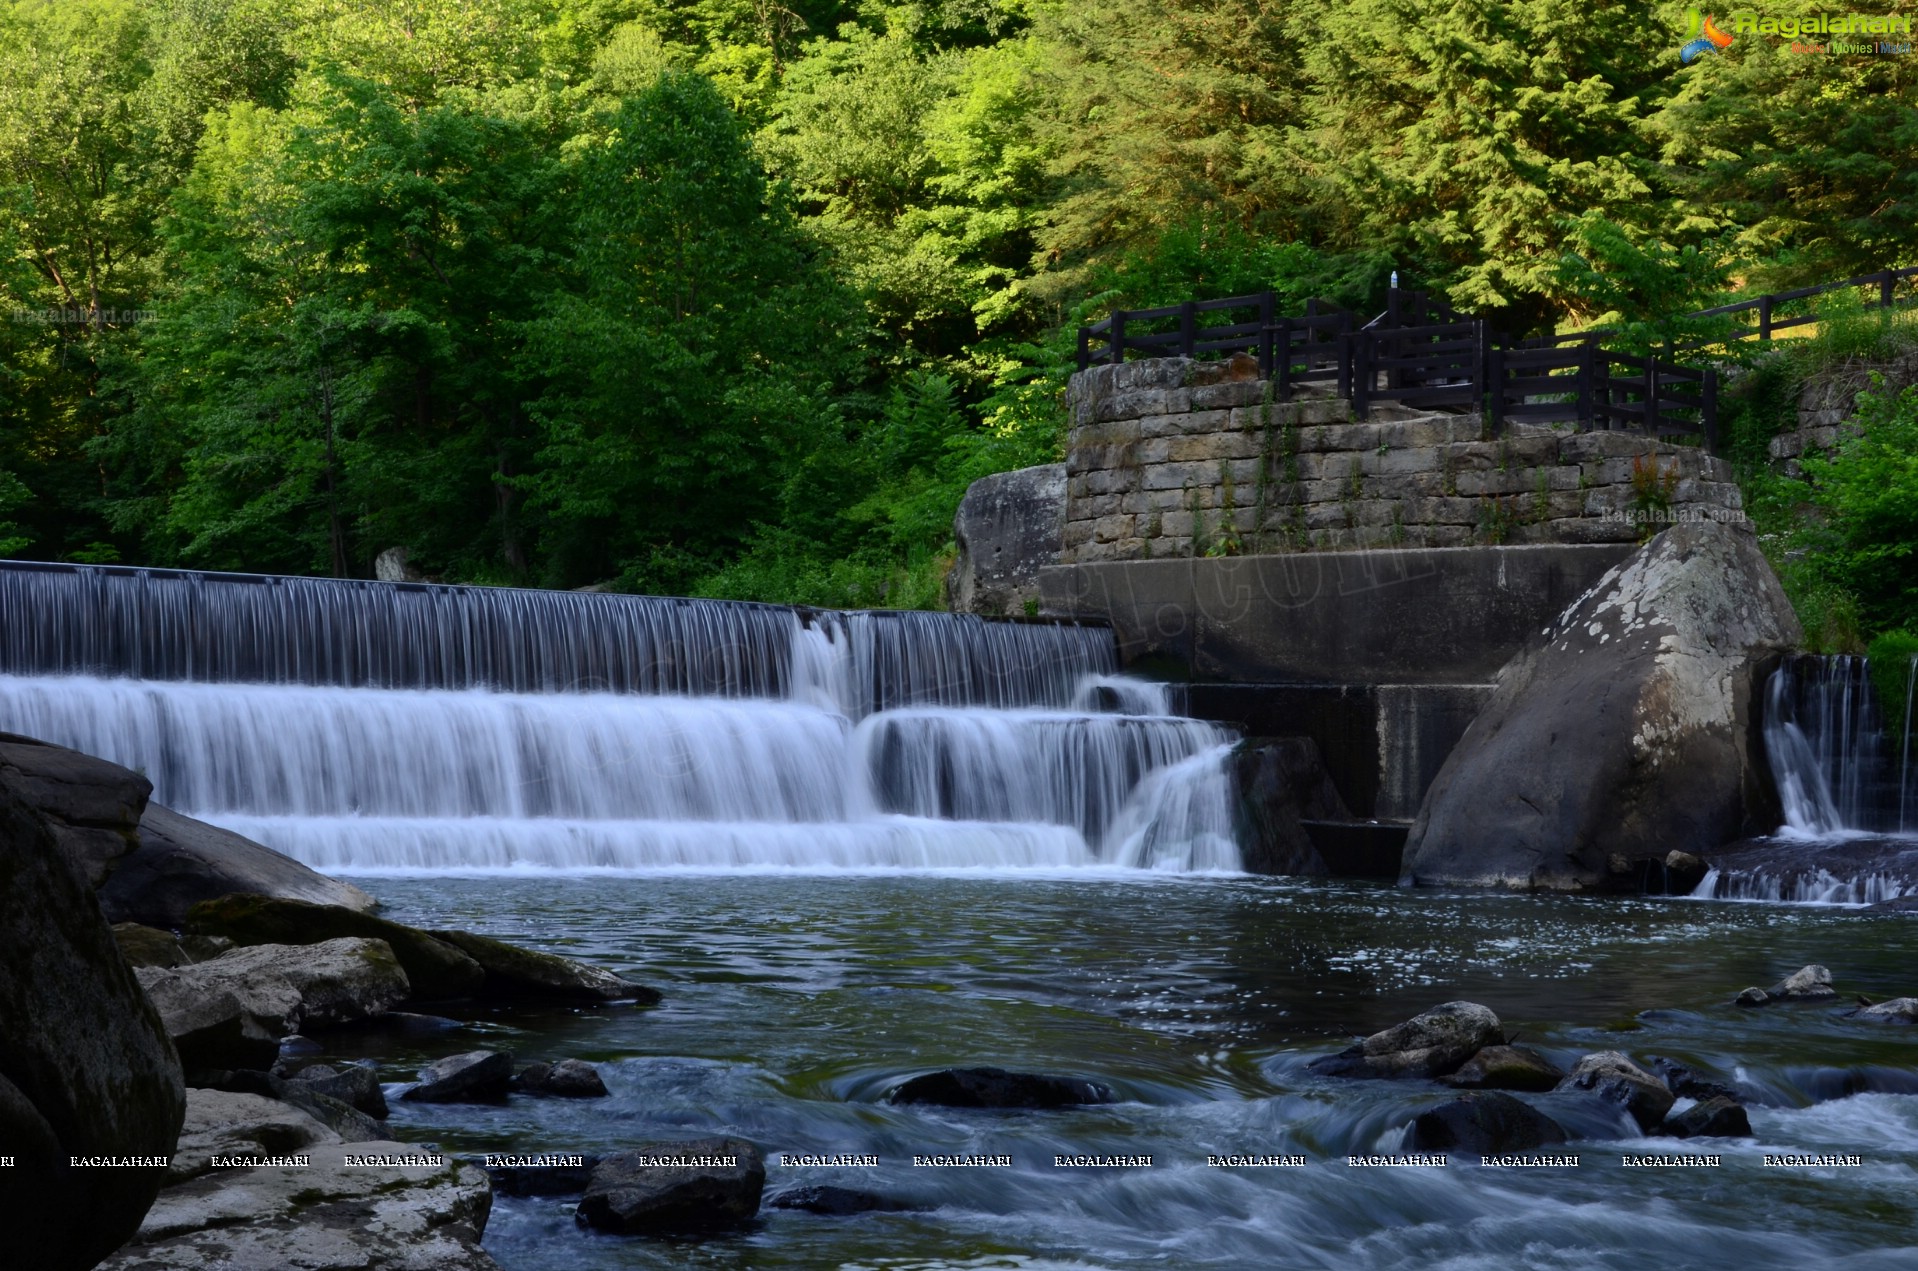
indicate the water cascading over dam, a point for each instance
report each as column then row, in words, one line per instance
column 366, row 727
column 1841, row 766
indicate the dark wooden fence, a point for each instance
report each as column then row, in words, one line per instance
column 1422, row 352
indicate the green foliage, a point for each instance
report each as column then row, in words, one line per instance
column 1894, row 657
column 1869, row 489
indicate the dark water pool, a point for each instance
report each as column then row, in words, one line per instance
column 794, row 1002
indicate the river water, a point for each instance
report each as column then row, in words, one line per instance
column 794, row 1002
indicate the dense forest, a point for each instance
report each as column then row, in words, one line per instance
column 730, row 298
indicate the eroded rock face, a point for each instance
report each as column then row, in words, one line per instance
column 649, row 1189
column 998, row 1088
column 1483, row 1121
column 85, row 1065
column 1625, row 732
column 1617, row 1080
column 1281, row 782
column 1007, row 527
column 326, row 1216
column 1430, row 1044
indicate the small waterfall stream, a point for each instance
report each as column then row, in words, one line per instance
column 1826, row 737
column 367, row 727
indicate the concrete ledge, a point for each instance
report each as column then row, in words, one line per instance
column 1442, row 615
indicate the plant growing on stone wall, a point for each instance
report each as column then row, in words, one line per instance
column 1261, row 489
column 1396, row 536
column 1199, row 546
column 1448, row 475
column 1227, row 543
column 1497, row 518
column 1652, row 489
column 1542, row 496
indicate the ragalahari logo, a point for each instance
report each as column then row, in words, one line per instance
column 1702, row 36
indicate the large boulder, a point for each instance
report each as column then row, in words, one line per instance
column 997, row 1088
column 86, row 1069
column 1281, row 783
column 422, row 1212
column 1430, row 1044
column 180, row 862
column 436, row 970
column 691, row 1185
column 567, row 1079
column 1625, row 732
column 232, row 1011
column 91, row 807
column 1007, row 527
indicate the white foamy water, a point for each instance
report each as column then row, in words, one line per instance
column 888, row 741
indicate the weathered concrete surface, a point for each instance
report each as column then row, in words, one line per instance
column 1391, row 616
column 1008, row 525
column 1628, row 730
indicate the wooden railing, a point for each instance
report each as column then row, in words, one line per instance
column 1422, row 352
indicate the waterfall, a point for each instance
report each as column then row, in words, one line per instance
column 1825, row 739
column 365, row 727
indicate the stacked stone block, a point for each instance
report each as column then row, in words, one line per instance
column 1169, row 457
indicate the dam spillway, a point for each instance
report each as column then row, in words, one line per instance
column 367, row 727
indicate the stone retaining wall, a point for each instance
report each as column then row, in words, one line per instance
column 1168, row 457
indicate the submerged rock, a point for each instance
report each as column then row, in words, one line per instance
column 85, row 1065
column 513, row 972
column 1899, row 1010
column 330, row 1214
column 1807, row 984
column 543, row 1180
column 837, row 1202
column 998, row 1088
column 1687, row 1084
column 1430, row 1044
column 1715, row 1118
column 1506, row 1068
column 1617, row 1080
column 689, row 1185
column 1483, row 1121
column 478, row 1076
column 1624, row 733
column 1752, row 997
column 567, row 1079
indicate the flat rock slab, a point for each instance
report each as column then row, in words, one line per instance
column 220, row 1123
column 998, row 1088
column 435, row 970
column 478, row 1076
column 328, row 1216
column 686, row 1185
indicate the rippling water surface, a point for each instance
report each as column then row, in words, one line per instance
column 794, row 1002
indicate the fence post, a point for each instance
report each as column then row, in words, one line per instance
column 1709, row 410
column 1495, row 395
column 1764, row 317
column 1188, row 329
column 1392, row 306
column 1266, row 305
column 1651, row 397
column 1282, row 367
column 1362, row 376
column 1346, row 340
column 1085, row 348
column 1587, row 385
column 1885, row 285
column 1115, row 342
